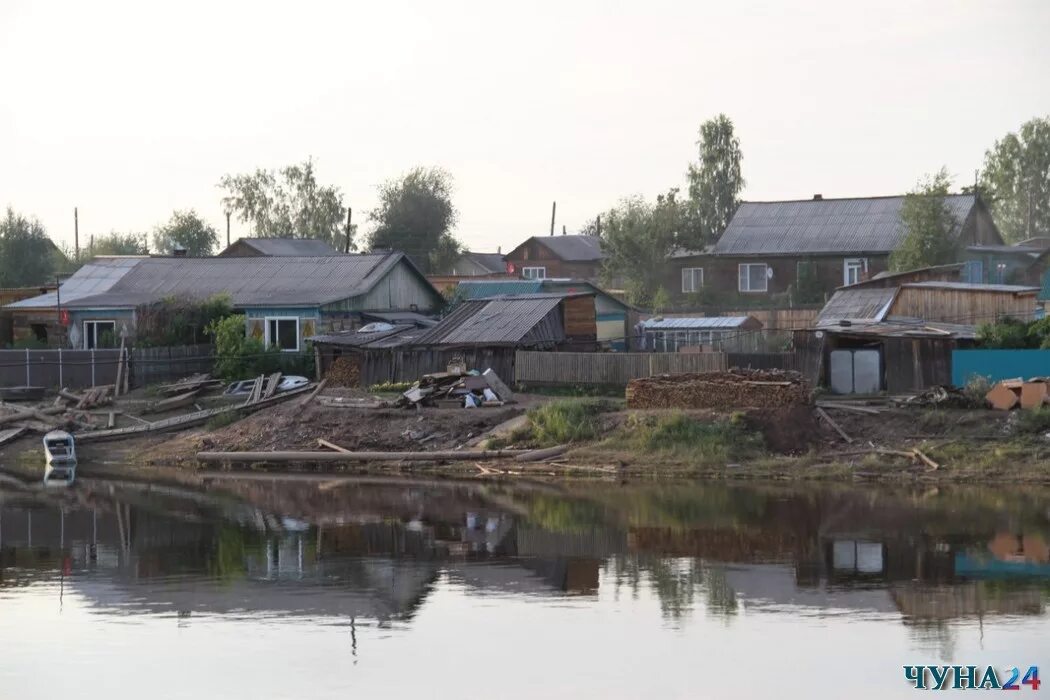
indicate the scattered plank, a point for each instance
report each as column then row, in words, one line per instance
column 332, row 446
column 174, row 402
column 121, row 369
column 272, row 382
column 313, row 394
column 10, row 434
column 42, row 414
column 838, row 429
column 849, row 408
column 922, row 457
column 539, row 455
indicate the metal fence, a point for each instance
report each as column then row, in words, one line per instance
column 615, row 368
column 157, row 365
column 58, row 368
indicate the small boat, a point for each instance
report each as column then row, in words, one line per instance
column 292, row 382
column 61, row 453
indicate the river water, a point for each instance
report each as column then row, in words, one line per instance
column 380, row 588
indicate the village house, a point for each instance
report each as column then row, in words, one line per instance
column 482, row 333
column 470, row 266
column 798, row 252
column 871, row 338
column 285, row 299
column 568, row 257
column 277, row 247
column 33, row 328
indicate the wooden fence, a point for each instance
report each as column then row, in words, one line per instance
column 613, row 368
column 763, row 360
column 52, row 369
column 157, row 365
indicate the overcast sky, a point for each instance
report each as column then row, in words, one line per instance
column 129, row 111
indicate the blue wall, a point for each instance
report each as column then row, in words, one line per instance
column 999, row 364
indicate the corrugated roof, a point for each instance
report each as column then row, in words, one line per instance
column 357, row 338
column 900, row 327
column 695, row 323
column 857, row 305
column 499, row 321
column 287, row 247
column 967, row 287
column 249, row 281
column 576, row 248
column 481, row 289
column 862, row 225
column 1006, row 249
column 96, row 277
column 493, row 262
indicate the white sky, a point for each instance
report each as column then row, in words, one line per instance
column 128, row 111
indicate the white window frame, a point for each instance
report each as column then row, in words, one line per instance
column 740, row 277
column 690, row 274
column 95, row 323
column 272, row 342
column 848, row 263
column 534, row 273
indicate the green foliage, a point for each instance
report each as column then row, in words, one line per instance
column 661, row 300
column 27, row 256
column 29, row 344
column 390, row 387
column 929, row 226
column 686, row 437
column 1034, row 421
column 415, row 215
column 1011, row 333
column 1016, row 181
column 238, row 356
column 808, row 289
column 637, row 238
column 288, row 203
column 567, row 421
column 187, row 230
column 174, row 321
column 114, row 243
column 715, row 182
column 976, row 389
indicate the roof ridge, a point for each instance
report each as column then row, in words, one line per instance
column 845, row 199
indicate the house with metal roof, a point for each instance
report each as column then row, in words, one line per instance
column 798, row 252
column 570, row 257
column 285, row 299
column 277, row 247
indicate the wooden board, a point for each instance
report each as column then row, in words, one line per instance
column 10, row 434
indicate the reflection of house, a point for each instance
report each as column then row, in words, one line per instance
column 277, row 247
column 802, row 250
column 572, row 257
column 285, row 299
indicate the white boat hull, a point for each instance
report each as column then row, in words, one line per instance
column 60, row 451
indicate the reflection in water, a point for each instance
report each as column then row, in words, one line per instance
column 376, row 552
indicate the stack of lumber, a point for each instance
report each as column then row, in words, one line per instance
column 1014, row 393
column 91, row 398
column 344, row 372
column 196, row 382
column 737, row 388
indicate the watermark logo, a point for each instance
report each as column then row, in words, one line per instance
column 971, row 678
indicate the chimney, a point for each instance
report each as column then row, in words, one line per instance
column 499, row 250
column 563, row 229
column 818, row 197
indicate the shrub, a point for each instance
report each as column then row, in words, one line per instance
column 390, row 387
column 238, row 356
column 571, row 420
column 687, row 437
column 28, row 344
column 1011, row 333
column 977, row 387
column 174, row 321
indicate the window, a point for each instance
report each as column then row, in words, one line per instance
column 534, row 273
column 754, row 277
column 283, row 333
column 692, row 279
column 99, row 334
column 853, row 270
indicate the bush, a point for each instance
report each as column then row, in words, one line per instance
column 977, row 387
column 1013, row 334
column 238, row 356
column 561, row 422
column 28, row 344
column 699, row 441
column 178, row 322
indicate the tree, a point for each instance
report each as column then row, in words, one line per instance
column 288, row 204
column 415, row 215
column 715, row 183
column 187, row 230
column 929, row 226
column 27, row 256
column 1016, row 181
column 637, row 238
column 114, row 243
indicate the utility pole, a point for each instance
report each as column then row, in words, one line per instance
column 554, row 208
column 598, row 225
column 227, row 229
column 349, row 213
column 76, row 235
column 1028, row 226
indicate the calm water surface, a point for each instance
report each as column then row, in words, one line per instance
column 281, row 589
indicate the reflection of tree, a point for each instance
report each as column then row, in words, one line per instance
column 677, row 584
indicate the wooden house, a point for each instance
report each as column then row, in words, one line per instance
column 285, row 299
column 277, row 247
column 470, row 266
column 565, row 257
column 794, row 252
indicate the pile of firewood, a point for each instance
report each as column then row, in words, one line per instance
column 343, row 372
column 726, row 391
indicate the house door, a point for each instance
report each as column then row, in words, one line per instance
column 855, row 372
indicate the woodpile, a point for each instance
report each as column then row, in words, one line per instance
column 724, row 391
column 344, row 371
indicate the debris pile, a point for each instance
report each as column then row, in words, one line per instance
column 737, row 388
column 457, row 388
column 939, row 396
column 1013, row 393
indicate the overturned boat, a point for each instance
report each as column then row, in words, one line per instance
column 60, row 450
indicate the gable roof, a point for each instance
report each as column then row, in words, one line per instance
column 286, row 247
column 574, row 248
column 858, row 225
column 508, row 320
column 492, row 262
column 480, row 289
column 249, row 281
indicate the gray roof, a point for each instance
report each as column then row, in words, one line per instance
column 968, row 287
column 249, row 281
column 507, row 320
column 695, row 323
column 902, row 327
column 575, row 248
column 857, row 304
column 357, row 339
column 813, row 226
column 287, row 247
column 493, row 262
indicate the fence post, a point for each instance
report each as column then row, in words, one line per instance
column 28, row 383
column 92, row 366
column 60, row 382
